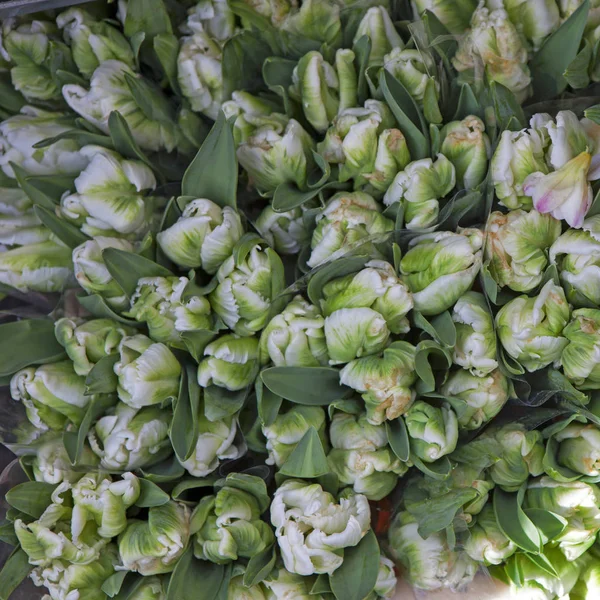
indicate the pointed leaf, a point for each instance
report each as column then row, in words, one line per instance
column 357, row 575
column 15, row 570
column 307, row 459
column 32, row 342
column 184, row 426
column 127, row 268
column 549, row 64
column 112, row 586
column 514, row 523
column 165, row 471
column 220, row 403
column 316, row 386
column 398, row 438
column 166, row 47
column 151, row 495
column 213, row 172
column 191, row 575
column 102, row 379
column 66, row 232
column 97, row 305
column 122, row 139
column 31, row 497
column 268, row 403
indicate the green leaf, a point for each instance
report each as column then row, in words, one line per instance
column 166, row 48
column 357, row 575
column 26, row 183
column 440, row 469
column 165, row 471
column 543, row 563
column 220, row 403
column 549, row 524
column 398, row 438
column 577, row 75
column 66, row 232
column 243, row 58
column 287, row 196
column 184, row 426
column 97, row 305
column 430, row 355
column 362, row 51
column 407, row 113
column 74, row 441
column 151, row 495
column 247, row 482
column 149, row 16
column 195, row 341
column 150, row 99
column 112, row 586
column 191, row 484
column 31, row 497
column 437, row 513
column 467, row 104
column 514, row 523
column 7, row 533
column 129, row 585
column 10, row 99
column 122, row 139
column 213, row 172
column 192, row 575
column 321, row 585
column 552, row 60
column 127, row 268
column 277, row 75
column 338, row 268
column 259, row 566
column 14, row 571
column 441, row 327
column 102, row 379
column 267, row 403
column 315, row 386
column 32, row 342
column 307, row 459
column 82, row 137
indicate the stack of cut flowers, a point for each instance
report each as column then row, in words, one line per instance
column 301, row 297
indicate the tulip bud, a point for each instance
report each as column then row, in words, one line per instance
column 454, row 15
column 92, row 274
column 466, row 145
column 20, row 133
column 518, row 155
column 306, row 518
column 377, row 287
column 520, row 453
column 93, row 42
column 575, row 501
column 414, row 69
column 199, row 71
column 88, row 342
column 580, row 359
column 285, row 232
column 440, row 267
column 577, row 256
column 98, row 499
column 41, row 267
column 433, row 431
column 364, row 142
column 419, row 188
column 346, row 219
column 517, row 247
column 431, row 563
column 153, row 546
column 158, row 302
column 277, row 153
column 487, row 543
column 384, row 381
column 228, row 524
column 361, row 456
column 51, row 463
column 579, row 448
column 126, row 438
column 110, row 196
column 295, row 337
column 531, row 329
column 203, row 237
column 216, row 441
column 246, row 288
column 289, row 428
column 493, row 45
column 215, row 17
column 484, row 395
column 232, row 362
column 148, row 373
column 52, row 395
column 378, row 25
column 109, row 90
